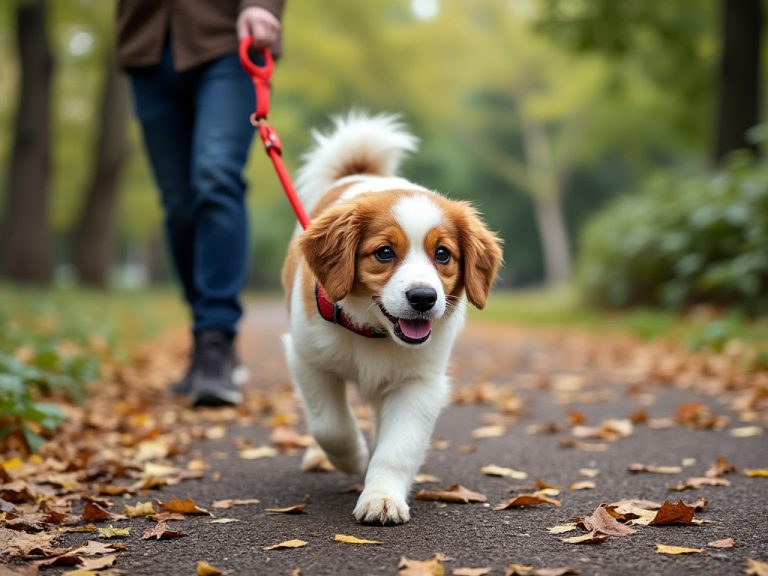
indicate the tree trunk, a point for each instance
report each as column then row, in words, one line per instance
column 545, row 187
column 738, row 98
column 94, row 239
column 26, row 241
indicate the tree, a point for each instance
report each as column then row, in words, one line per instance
column 738, row 76
column 26, row 244
column 94, row 236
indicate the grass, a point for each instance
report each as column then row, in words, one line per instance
column 561, row 307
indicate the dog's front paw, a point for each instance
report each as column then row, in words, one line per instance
column 381, row 508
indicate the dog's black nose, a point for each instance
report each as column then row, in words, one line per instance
column 421, row 299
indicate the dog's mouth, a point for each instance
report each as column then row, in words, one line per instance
column 409, row 330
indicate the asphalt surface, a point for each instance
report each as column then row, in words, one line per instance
column 473, row 535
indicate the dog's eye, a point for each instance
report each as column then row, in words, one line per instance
column 384, row 254
column 442, row 255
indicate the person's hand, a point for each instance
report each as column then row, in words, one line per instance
column 258, row 23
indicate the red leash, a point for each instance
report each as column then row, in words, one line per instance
column 261, row 75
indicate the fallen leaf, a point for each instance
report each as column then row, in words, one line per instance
column 756, row 472
column 353, row 540
column 161, row 531
column 297, row 509
column 112, row 532
column 426, row 479
column 471, row 571
column 92, row 512
column 562, row 528
column 286, row 544
column 186, row 506
column 590, row 538
column 694, row 483
column 725, row 543
column 495, row 431
column 90, row 566
column 257, row 453
column 140, row 509
column 602, row 522
column 493, row 470
column 720, row 467
column 455, row 493
column 168, row 516
column 93, row 548
column 664, row 549
column 756, row 568
column 564, row 571
column 655, row 469
column 583, row 485
column 583, row 446
column 286, row 438
column 589, row 472
column 202, row 568
column 670, row 514
column 746, row 431
column 430, row 567
column 229, row 502
column 526, row 500
column 224, row 521
column 519, row 570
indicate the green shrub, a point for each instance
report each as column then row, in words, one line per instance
column 683, row 240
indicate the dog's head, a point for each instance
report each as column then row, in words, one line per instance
column 413, row 253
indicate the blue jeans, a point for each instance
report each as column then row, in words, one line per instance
column 197, row 135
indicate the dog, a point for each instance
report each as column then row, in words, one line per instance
column 376, row 289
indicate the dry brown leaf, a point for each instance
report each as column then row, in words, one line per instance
column 229, row 502
column 664, row 549
column 168, row 516
column 495, row 431
column 93, row 548
column 186, row 506
column 756, row 472
column 564, row 571
column 720, row 467
column 602, row 522
column 590, row 538
column 90, row 566
column 583, row 446
column 161, row 531
column 202, row 568
column 285, row 545
column 454, row 493
column 518, row 570
column 297, row 509
column 430, row 567
column 694, row 483
column 583, row 485
column 725, row 543
column 92, row 512
column 562, row 528
column 346, row 539
column 670, row 514
column 140, row 509
column 654, row 469
column 756, row 568
column 471, row 571
column 493, row 470
column 526, row 500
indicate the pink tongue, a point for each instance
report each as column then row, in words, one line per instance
column 415, row 329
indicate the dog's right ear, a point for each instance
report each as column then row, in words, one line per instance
column 329, row 246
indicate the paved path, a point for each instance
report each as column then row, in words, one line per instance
column 539, row 378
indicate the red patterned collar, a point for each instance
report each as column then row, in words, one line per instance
column 333, row 313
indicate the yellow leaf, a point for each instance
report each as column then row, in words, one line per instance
column 286, row 544
column 756, row 472
column 256, row 453
column 664, row 549
column 353, row 540
column 202, row 568
column 297, row 509
column 493, row 470
column 494, row 431
column 756, row 568
column 141, row 509
column 112, row 532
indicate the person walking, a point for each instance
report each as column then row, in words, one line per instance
column 193, row 101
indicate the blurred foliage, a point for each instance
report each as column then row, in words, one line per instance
column 54, row 343
column 682, row 240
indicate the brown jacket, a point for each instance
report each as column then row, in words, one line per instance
column 200, row 30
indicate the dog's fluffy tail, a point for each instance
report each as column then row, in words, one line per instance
column 358, row 144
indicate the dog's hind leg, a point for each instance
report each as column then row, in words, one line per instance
column 329, row 417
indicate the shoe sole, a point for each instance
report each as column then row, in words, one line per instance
column 215, row 397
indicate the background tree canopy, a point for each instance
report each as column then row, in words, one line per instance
column 538, row 111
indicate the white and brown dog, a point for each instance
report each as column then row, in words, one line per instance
column 376, row 293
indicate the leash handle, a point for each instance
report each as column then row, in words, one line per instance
column 260, row 74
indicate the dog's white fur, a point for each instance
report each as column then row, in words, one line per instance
column 405, row 384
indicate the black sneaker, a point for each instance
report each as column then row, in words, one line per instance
column 183, row 386
column 210, row 378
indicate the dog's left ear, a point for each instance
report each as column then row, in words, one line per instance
column 482, row 256
column 329, row 246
